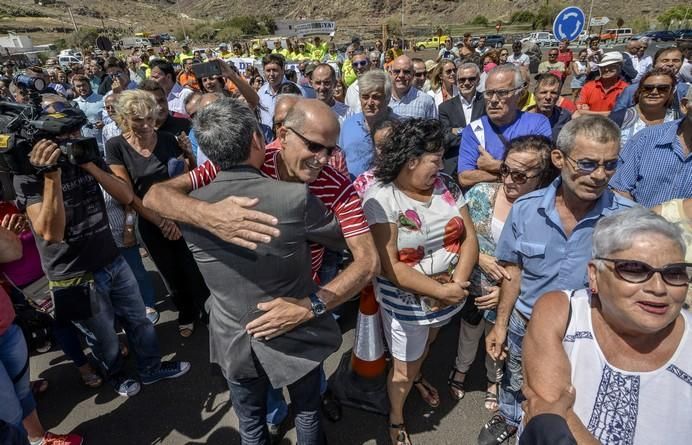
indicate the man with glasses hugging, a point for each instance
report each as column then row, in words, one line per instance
column 483, row 141
column 545, row 245
column 458, row 112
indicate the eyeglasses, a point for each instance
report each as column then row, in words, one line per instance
column 661, row 88
column 314, row 147
column 463, row 80
column 401, row 72
column 420, row 74
column 586, row 166
column 518, row 177
column 360, row 64
column 632, row 271
column 501, row 94
column 450, row 71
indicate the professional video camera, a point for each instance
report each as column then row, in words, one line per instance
column 22, row 125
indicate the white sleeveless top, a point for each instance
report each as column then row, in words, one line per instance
column 628, row 408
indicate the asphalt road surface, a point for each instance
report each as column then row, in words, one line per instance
column 195, row 409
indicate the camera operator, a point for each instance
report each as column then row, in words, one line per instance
column 90, row 281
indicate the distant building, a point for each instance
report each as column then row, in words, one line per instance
column 15, row 43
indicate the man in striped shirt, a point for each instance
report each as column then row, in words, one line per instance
column 306, row 143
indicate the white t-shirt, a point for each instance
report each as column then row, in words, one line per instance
column 522, row 60
column 429, row 236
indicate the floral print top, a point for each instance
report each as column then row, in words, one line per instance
column 429, row 236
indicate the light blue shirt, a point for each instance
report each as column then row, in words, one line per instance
column 92, row 107
column 653, row 167
column 357, row 144
column 267, row 101
column 533, row 239
column 414, row 104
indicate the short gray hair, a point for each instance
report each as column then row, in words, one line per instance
column 469, row 66
column 376, row 80
column 508, row 68
column 614, row 233
column 595, row 127
column 224, row 131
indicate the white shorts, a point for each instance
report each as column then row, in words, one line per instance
column 406, row 341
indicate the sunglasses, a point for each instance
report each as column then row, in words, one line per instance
column 587, row 166
column 661, row 88
column 450, row 71
column 420, row 74
column 632, row 271
column 518, row 177
column 314, row 147
column 360, row 64
column 463, row 80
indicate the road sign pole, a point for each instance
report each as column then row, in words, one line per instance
column 588, row 22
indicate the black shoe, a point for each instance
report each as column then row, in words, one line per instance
column 277, row 432
column 330, row 407
column 496, row 431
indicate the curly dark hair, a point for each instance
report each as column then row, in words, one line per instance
column 656, row 72
column 412, row 139
column 538, row 144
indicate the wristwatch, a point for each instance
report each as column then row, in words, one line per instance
column 318, row 306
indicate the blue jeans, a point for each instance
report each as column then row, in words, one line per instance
column 16, row 400
column 510, row 388
column 249, row 398
column 117, row 294
column 277, row 409
column 146, row 287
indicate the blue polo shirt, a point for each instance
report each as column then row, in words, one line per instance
column 356, row 143
column 533, row 239
column 653, row 167
column 525, row 124
column 267, row 100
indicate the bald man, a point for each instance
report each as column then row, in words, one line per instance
column 407, row 100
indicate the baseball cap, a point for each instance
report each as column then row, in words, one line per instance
column 310, row 68
column 611, row 58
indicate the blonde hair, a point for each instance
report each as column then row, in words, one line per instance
column 134, row 103
column 436, row 81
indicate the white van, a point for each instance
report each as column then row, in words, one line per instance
column 617, row 35
column 134, row 42
column 65, row 60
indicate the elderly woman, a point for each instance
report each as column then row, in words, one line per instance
column 652, row 104
column 526, row 167
column 375, row 90
column 624, row 343
column 143, row 156
column 443, row 85
column 427, row 246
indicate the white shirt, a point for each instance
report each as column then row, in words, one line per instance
column 628, row 407
column 176, row 99
column 437, row 95
column 352, row 99
column 521, row 60
column 643, row 66
column 467, row 107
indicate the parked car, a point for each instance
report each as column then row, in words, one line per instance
column 432, row 43
column 541, row 38
column 617, row 35
column 657, row 36
column 134, row 42
column 684, row 37
column 680, row 32
column 491, row 40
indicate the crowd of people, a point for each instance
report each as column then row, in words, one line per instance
column 558, row 227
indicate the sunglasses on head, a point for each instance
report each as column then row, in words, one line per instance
column 314, row 147
column 518, row 177
column 360, row 64
column 588, row 166
column 661, row 88
column 632, row 271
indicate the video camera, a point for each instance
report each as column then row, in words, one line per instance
column 22, row 125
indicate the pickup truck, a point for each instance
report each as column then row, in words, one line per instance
column 432, row 43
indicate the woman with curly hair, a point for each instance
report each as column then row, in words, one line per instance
column 428, row 248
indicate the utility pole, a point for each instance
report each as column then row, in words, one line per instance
column 69, row 10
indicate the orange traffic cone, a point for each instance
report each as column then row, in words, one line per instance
column 367, row 359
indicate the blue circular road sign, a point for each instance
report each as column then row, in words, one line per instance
column 569, row 23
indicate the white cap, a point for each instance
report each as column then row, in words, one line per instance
column 611, row 58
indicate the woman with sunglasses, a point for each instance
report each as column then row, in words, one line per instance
column 526, row 167
column 443, row 85
column 624, row 343
column 652, row 104
column 427, row 247
column 504, row 54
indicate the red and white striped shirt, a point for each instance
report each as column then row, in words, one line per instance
column 331, row 187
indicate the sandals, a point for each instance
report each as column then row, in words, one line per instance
column 186, row 330
column 491, row 402
column 90, row 378
column 427, row 392
column 456, row 387
column 38, row 387
column 402, row 437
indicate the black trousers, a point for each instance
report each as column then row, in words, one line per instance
column 178, row 269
